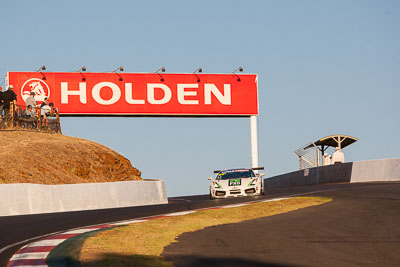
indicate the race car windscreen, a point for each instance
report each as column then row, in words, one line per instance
column 235, row 174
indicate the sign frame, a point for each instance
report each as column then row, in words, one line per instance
column 141, row 94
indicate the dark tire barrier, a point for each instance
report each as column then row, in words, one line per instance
column 337, row 173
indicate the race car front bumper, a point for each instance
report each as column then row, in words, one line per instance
column 236, row 192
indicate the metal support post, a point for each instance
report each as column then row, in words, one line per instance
column 254, row 141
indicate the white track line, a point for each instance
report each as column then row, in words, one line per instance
column 234, row 205
column 47, row 242
column 78, row 231
column 129, row 222
column 180, row 213
column 275, row 199
column 29, row 256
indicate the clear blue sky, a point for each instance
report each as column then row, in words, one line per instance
column 324, row 67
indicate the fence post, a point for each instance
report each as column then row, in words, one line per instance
column 58, row 123
column 11, row 114
column 39, row 124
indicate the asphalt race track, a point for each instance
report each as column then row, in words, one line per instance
column 359, row 227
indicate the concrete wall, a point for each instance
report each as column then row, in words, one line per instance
column 351, row 172
column 376, row 171
column 18, row 199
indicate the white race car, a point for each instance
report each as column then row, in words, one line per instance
column 237, row 182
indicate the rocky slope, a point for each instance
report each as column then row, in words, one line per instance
column 47, row 158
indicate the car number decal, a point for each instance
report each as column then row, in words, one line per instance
column 233, row 182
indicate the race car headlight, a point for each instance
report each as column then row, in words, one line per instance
column 253, row 182
column 217, row 185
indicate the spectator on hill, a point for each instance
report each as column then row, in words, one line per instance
column 9, row 96
column 338, row 156
column 30, row 112
column 45, row 110
column 30, row 101
column 52, row 117
column 53, row 111
column 18, row 111
column 45, row 102
column 31, row 117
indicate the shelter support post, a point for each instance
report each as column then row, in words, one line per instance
column 254, row 141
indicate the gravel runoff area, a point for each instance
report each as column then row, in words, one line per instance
column 360, row 227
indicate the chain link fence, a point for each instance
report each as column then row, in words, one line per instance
column 308, row 157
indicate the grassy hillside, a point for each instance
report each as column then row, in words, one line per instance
column 46, row 158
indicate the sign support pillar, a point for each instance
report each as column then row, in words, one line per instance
column 254, row 141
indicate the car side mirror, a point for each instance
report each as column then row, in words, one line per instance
column 210, row 178
column 262, row 174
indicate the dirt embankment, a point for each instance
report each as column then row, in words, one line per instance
column 45, row 158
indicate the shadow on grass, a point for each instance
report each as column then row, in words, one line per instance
column 220, row 262
column 112, row 260
column 116, row 260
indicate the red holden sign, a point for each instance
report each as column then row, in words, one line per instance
column 140, row 94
